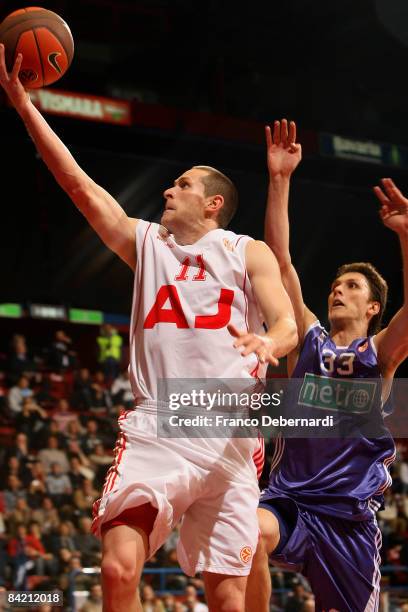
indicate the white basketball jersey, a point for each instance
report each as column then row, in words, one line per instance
column 184, row 298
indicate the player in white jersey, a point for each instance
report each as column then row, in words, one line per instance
column 195, row 286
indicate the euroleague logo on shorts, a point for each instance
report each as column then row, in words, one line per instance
column 245, row 554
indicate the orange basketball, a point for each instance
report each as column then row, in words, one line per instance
column 45, row 41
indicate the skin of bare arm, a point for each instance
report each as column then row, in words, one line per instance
column 102, row 211
column 283, row 157
column 281, row 337
column 392, row 342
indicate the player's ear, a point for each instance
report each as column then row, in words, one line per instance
column 374, row 308
column 214, row 203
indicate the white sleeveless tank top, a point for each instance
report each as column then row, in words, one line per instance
column 184, row 298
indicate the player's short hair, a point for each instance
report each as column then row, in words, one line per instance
column 378, row 289
column 216, row 183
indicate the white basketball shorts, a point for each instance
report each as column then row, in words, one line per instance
column 210, row 484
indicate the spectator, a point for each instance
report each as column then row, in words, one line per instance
column 191, row 600
column 92, row 437
column 85, row 496
column 309, row 605
column 100, row 456
column 94, row 601
column 168, row 601
column 63, row 415
column 46, row 562
column 75, row 476
column 61, row 355
column 82, row 390
column 32, row 419
column 52, row 454
column 99, row 379
column 74, row 450
column 26, row 553
column 298, row 598
column 20, row 362
column 121, row 390
column 12, row 493
column 21, row 515
column 101, row 400
column 51, row 430
column 74, row 432
column 35, row 494
column 14, row 467
column 17, row 394
column 404, row 476
column 21, row 449
column 64, row 538
column 59, row 486
column 87, row 544
column 37, row 487
column 37, row 473
column 110, row 351
column 150, row 603
column 65, row 557
column 100, row 460
column 47, row 516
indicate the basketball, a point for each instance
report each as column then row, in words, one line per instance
column 45, row 41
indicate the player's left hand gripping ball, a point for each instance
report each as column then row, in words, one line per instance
column 45, row 42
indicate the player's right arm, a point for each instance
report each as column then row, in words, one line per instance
column 283, row 156
column 103, row 212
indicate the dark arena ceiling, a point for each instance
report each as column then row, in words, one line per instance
column 337, row 67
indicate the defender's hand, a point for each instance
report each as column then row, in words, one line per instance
column 283, row 153
column 394, row 206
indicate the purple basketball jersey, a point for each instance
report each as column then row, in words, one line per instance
column 343, row 477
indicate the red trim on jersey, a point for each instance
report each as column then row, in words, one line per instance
column 120, row 447
column 137, row 293
column 141, row 277
column 259, row 456
column 246, row 301
column 254, row 372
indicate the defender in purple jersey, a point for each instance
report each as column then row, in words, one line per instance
column 317, row 515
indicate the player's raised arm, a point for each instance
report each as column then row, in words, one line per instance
column 392, row 342
column 283, row 156
column 281, row 337
column 103, row 212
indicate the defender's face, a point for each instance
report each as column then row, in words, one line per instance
column 350, row 298
column 185, row 201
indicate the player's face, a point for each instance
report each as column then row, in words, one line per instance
column 350, row 299
column 185, row 201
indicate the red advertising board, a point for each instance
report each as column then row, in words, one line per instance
column 82, row 106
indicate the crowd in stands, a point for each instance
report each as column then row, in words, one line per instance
column 58, row 424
